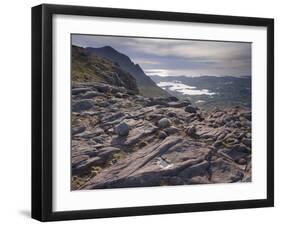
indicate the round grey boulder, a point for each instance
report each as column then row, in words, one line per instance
column 122, row 129
column 119, row 95
column 164, row 123
column 190, row 109
column 172, row 114
column 171, row 130
column 162, row 135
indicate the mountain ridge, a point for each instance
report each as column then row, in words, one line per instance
column 91, row 68
column 146, row 85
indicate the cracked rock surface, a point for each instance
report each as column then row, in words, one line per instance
column 121, row 139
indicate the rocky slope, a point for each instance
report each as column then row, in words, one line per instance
column 92, row 68
column 122, row 139
column 146, row 85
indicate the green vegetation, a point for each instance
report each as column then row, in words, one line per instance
column 81, row 68
column 209, row 141
column 77, row 182
column 95, row 170
column 142, row 144
column 91, row 68
column 115, row 158
column 226, row 145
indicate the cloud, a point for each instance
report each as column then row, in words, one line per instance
column 188, row 57
column 145, row 62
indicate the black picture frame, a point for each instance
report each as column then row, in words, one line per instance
column 42, row 107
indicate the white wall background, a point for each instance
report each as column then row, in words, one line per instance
column 15, row 120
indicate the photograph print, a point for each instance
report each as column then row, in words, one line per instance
column 159, row 112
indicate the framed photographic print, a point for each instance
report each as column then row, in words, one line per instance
column 146, row 112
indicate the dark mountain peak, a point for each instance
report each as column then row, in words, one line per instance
column 138, row 66
column 139, row 69
column 88, row 67
column 111, row 54
column 108, row 48
column 146, row 86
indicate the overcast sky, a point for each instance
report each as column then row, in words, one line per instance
column 178, row 57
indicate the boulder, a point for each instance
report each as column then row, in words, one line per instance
column 242, row 161
column 119, row 95
column 82, row 105
column 171, row 130
column 164, row 122
column 162, row 135
column 122, row 129
column 190, row 109
column 171, row 114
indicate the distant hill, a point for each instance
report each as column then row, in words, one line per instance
column 91, row 68
column 146, row 85
column 209, row 91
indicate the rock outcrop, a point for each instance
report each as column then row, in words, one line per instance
column 122, row 139
column 89, row 68
column 121, row 65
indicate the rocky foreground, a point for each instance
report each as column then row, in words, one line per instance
column 120, row 139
